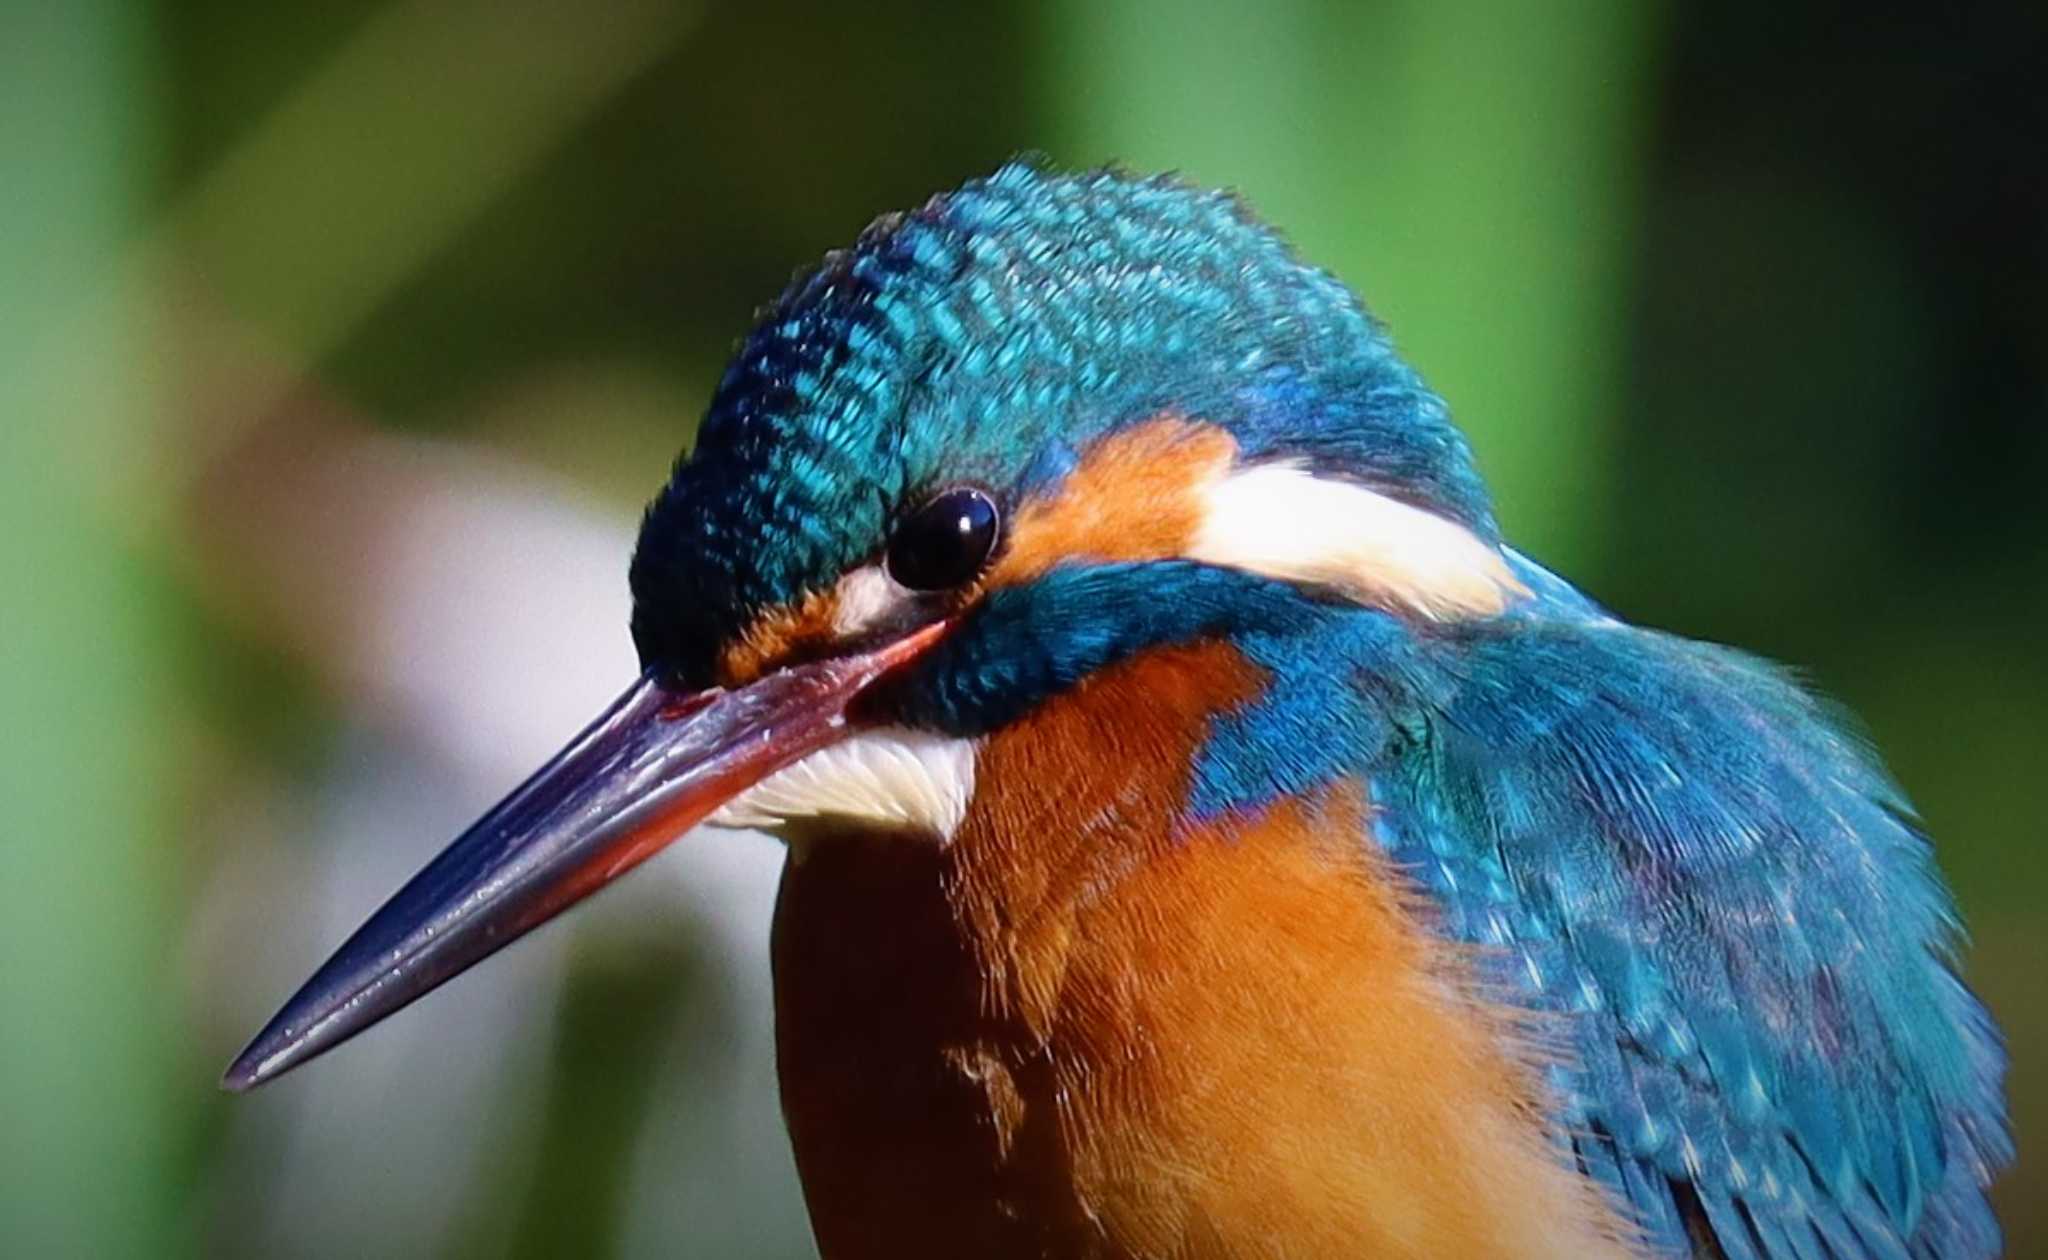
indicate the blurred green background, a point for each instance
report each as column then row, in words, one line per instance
column 339, row 345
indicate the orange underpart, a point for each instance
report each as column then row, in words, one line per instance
column 1088, row 1027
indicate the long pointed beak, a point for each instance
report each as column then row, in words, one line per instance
column 648, row 769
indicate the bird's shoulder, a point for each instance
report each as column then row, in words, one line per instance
column 1691, row 863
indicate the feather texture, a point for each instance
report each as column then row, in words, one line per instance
column 1667, row 849
column 1680, row 857
column 1667, row 855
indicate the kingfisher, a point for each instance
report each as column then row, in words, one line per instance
column 1207, row 837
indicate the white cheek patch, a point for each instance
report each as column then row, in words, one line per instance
column 1283, row 521
column 863, row 598
column 887, row 777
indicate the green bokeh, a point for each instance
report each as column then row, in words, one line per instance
column 1745, row 309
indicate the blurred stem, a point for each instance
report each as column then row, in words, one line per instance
column 334, row 201
column 615, row 1017
column 89, row 1164
column 1481, row 196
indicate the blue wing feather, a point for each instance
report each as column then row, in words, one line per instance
column 1683, row 857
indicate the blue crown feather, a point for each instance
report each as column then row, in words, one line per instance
column 983, row 335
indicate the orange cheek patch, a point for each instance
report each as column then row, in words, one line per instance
column 778, row 636
column 1136, row 496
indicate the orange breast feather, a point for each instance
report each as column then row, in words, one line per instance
column 1084, row 1028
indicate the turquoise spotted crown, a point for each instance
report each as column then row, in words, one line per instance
column 987, row 336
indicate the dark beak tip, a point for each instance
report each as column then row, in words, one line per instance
column 256, row 1065
column 569, row 829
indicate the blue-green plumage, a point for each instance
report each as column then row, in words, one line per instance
column 1679, row 852
column 1669, row 847
column 1710, row 893
column 989, row 335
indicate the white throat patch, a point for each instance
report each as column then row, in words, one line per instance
column 1282, row 520
column 887, row 777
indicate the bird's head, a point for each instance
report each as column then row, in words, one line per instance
column 1039, row 426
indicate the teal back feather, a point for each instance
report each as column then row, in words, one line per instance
column 1684, row 858
column 1708, row 889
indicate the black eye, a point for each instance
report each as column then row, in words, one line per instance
column 946, row 542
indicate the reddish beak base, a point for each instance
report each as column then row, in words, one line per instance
column 652, row 766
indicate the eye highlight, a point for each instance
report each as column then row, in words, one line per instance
column 947, row 542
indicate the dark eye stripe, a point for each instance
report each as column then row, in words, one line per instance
column 946, row 542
